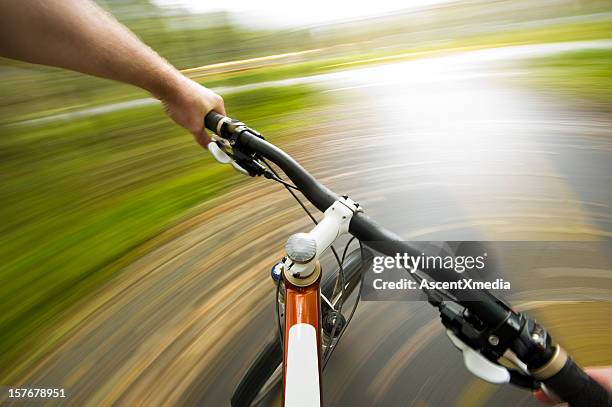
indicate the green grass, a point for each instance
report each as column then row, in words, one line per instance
column 78, row 196
column 585, row 74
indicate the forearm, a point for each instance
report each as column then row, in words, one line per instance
column 79, row 35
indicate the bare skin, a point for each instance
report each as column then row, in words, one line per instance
column 80, row 36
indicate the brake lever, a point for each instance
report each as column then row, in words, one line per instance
column 479, row 356
column 477, row 364
column 223, row 158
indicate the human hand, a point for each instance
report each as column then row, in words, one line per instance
column 602, row 374
column 188, row 104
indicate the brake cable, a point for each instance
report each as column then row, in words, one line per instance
column 278, row 317
column 273, row 175
column 339, row 310
column 348, row 321
column 276, row 177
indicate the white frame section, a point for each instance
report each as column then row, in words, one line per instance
column 302, row 375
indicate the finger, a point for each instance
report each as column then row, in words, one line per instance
column 202, row 138
column 220, row 107
column 542, row 397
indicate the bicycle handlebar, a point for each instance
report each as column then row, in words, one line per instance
column 487, row 307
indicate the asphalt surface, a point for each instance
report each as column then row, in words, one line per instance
column 440, row 149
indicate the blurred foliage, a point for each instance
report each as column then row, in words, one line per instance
column 555, row 33
column 78, row 195
column 189, row 40
column 582, row 74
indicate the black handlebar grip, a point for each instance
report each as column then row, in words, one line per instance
column 577, row 388
column 211, row 121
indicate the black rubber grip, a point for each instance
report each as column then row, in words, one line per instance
column 212, row 120
column 577, row 388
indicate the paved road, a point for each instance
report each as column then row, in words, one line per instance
column 443, row 148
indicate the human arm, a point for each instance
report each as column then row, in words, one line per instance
column 80, row 36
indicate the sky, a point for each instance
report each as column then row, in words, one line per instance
column 292, row 13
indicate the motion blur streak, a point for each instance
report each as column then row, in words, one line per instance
column 135, row 270
column 245, row 63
